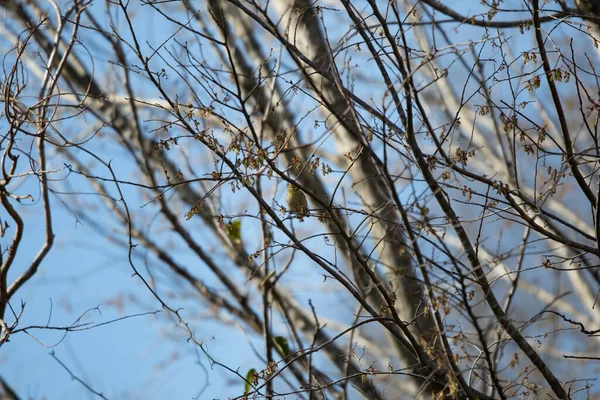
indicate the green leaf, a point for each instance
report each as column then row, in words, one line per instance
column 282, row 345
column 234, row 231
column 251, row 379
column 266, row 279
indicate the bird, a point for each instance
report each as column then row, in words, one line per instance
column 296, row 199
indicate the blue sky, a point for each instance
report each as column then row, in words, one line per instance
column 144, row 356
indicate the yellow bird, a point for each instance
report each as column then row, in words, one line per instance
column 296, row 199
